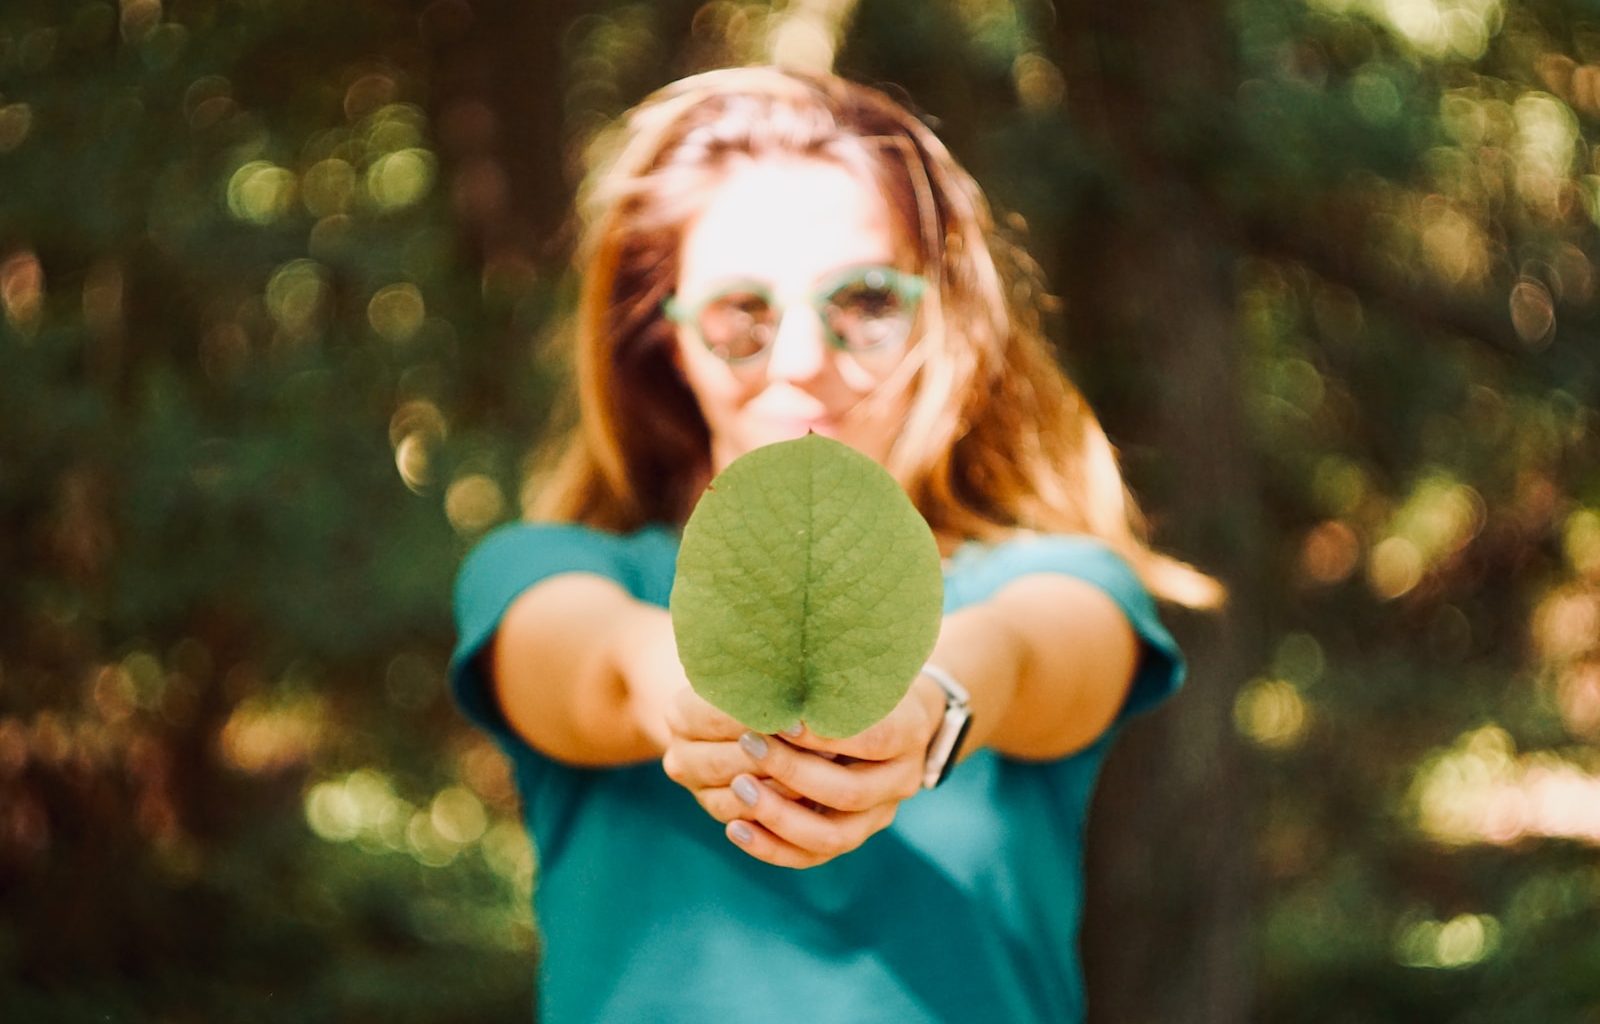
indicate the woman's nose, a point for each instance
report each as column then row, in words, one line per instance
column 799, row 351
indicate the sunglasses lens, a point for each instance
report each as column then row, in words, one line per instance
column 739, row 324
column 869, row 313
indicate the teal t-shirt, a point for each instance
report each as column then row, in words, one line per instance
column 966, row 908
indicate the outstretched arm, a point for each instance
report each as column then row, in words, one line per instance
column 584, row 672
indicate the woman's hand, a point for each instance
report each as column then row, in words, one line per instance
column 786, row 799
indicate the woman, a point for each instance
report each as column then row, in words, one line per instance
column 768, row 254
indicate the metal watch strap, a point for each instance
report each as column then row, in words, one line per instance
column 952, row 729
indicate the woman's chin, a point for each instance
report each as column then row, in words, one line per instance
column 774, row 431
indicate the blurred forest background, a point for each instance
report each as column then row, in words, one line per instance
column 278, row 284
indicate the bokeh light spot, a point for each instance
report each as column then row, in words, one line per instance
column 331, row 812
column 1533, row 312
column 413, row 461
column 113, row 693
column 1394, row 567
column 1271, row 713
column 396, row 312
column 328, row 187
column 362, row 806
column 418, row 415
column 139, row 18
column 207, row 100
column 802, row 41
column 1581, row 541
column 261, row 737
column 1039, row 84
column 509, row 854
column 368, row 93
column 1300, row 658
column 1375, row 96
column 1462, row 941
column 474, row 503
column 1578, row 697
column 458, row 816
column 427, row 846
column 1339, row 484
column 1330, row 552
column 16, row 119
column 400, row 179
column 261, row 192
column 296, row 295
column 1566, row 624
column 22, row 290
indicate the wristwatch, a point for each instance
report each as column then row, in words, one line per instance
column 952, row 728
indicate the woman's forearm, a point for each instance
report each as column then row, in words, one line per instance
column 1052, row 659
column 557, row 663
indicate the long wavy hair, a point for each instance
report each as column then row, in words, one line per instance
column 997, row 440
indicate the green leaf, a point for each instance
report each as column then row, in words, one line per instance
column 808, row 587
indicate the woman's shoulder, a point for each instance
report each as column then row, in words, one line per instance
column 515, row 555
column 984, row 569
column 1028, row 551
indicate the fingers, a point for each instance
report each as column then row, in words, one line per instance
column 761, row 844
column 700, row 765
column 859, row 786
column 785, row 833
column 690, row 715
column 905, row 730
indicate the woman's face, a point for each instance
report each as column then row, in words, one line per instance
column 775, row 237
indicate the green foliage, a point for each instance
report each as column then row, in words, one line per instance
column 808, row 589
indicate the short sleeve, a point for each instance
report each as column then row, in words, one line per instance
column 1161, row 666
column 504, row 565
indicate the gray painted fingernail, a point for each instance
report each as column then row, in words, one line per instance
column 753, row 745
column 794, row 730
column 740, row 832
column 744, row 788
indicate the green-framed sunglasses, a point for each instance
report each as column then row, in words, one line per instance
column 862, row 309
